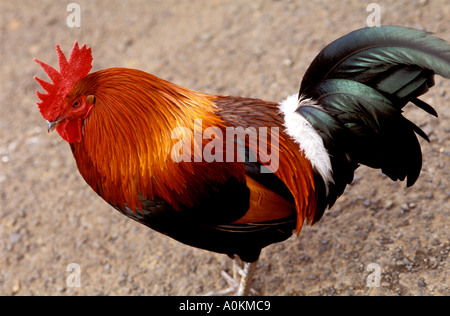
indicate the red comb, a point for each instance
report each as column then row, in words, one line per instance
column 76, row 68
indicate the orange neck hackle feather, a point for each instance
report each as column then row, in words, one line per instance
column 125, row 151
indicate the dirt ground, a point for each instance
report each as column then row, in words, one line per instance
column 50, row 218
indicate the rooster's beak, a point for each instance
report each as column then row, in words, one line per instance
column 53, row 125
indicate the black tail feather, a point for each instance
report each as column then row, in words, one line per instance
column 361, row 82
column 424, row 106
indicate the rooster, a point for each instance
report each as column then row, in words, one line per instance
column 133, row 137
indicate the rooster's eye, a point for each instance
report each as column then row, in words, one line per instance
column 76, row 104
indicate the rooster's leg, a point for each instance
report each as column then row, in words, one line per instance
column 239, row 284
column 237, row 267
column 246, row 279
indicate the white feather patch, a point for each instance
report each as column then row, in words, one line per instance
column 298, row 128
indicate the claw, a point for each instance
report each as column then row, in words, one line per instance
column 240, row 283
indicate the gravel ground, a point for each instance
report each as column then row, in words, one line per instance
column 49, row 217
